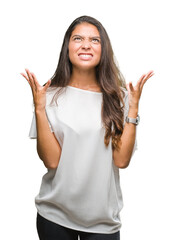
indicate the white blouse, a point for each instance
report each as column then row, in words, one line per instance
column 83, row 193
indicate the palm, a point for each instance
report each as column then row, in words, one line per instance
column 134, row 92
column 38, row 91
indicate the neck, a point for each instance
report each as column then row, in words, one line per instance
column 83, row 78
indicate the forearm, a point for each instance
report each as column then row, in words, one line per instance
column 48, row 147
column 123, row 155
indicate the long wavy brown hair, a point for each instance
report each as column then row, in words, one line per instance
column 109, row 78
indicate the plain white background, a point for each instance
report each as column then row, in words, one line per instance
column 142, row 36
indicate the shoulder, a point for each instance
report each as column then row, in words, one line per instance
column 51, row 91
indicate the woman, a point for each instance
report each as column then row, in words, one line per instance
column 85, row 123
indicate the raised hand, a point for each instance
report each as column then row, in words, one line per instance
column 134, row 93
column 38, row 91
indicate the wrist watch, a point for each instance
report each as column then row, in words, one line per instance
column 133, row 120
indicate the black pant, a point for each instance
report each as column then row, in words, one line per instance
column 48, row 230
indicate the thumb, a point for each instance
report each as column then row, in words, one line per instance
column 127, row 87
column 47, row 84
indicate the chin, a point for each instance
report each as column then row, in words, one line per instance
column 86, row 66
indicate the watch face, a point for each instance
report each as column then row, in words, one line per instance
column 133, row 120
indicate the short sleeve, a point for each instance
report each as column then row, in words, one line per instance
column 126, row 109
column 33, row 130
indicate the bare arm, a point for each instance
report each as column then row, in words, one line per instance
column 123, row 156
column 48, row 147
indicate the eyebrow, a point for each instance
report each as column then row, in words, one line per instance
column 76, row 35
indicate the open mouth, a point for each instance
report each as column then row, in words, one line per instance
column 85, row 56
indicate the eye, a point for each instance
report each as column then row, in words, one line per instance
column 77, row 39
column 96, row 40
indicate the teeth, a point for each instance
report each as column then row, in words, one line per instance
column 85, row 55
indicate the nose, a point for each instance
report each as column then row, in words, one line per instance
column 86, row 45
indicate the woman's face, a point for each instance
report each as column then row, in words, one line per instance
column 85, row 47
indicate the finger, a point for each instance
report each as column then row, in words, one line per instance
column 47, row 84
column 26, row 78
column 150, row 72
column 147, row 76
column 140, row 80
column 143, row 79
column 127, row 87
column 35, row 79
column 31, row 79
column 143, row 82
column 131, row 87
